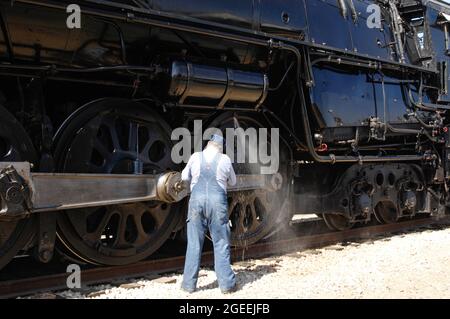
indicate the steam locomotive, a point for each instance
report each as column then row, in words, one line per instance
column 90, row 92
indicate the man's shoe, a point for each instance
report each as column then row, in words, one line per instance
column 230, row 291
column 189, row 291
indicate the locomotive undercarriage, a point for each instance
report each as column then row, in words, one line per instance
column 113, row 154
column 130, row 215
column 386, row 192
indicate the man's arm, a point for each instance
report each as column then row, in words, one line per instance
column 232, row 175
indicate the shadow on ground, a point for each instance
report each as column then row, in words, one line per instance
column 245, row 276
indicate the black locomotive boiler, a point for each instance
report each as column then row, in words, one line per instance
column 358, row 89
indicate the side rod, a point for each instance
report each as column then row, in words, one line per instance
column 23, row 192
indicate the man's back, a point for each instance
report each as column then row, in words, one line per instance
column 225, row 172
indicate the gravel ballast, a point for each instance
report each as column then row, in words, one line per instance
column 413, row 265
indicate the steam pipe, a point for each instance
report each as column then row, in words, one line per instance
column 428, row 107
column 411, row 131
column 401, row 130
column 283, row 78
column 339, row 60
column 297, row 140
column 342, row 8
column 52, row 68
column 353, row 10
column 121, row 38
column 422, row 122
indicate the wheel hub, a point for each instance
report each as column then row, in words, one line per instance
column 337, row 222
column 386, row 212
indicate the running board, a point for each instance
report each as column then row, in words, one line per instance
column 23, row 192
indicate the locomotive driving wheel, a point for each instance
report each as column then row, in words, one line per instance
column 252, row 214
column 386, row 212
column 337, row 222
column 15, row 146
column 109, row 136
column 249, row 215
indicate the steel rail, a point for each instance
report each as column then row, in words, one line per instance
column 22, row 287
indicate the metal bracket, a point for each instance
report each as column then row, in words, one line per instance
column 46, row 236
column 377, row 129
column 15, row 195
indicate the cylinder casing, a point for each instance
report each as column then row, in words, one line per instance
column 212, row 85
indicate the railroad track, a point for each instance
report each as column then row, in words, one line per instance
column 22, row 287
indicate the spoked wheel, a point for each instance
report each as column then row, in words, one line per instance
column 252, row 214
column 248, row 213
column 337, row 222
column 107, row 137
column 15, row 146
column 386, row 212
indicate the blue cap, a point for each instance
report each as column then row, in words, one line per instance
column 217, row 138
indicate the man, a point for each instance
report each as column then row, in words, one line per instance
column 209, row 171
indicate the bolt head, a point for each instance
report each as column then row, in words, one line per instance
column 13, row 195
column 45, row 255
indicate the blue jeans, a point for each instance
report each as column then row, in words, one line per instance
column 208, row 211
